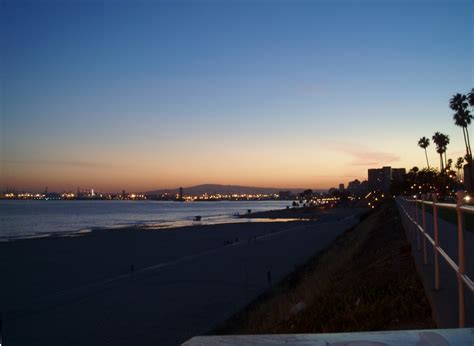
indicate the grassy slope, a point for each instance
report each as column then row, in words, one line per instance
column 366, row 280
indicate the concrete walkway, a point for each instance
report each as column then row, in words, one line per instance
column 444, row 302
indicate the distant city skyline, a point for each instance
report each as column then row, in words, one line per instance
column 171, row 189
column 160, row 94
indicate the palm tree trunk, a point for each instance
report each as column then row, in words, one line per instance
column 468, row 142
column 441, row 169
column 427, row 162
column 465, row 140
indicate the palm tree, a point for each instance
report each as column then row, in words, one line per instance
column 458, row 165
column 445, row 142
column 437, row 140
column 462, row 117
column 449, row 163
column 441, row 140
column 470, row 98
column 424, row 143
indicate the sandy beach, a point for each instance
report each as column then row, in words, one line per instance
column 136, row 286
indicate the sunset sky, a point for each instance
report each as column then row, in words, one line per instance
column 116, row 95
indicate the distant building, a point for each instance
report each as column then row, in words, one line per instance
column 180, row 197
column 341, row 187
column 353, row 186
column 357, row 187
column 379, row 178
column 382, row 178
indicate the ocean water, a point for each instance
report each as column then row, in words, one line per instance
column 20, row 219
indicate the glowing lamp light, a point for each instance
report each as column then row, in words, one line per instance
column 467, row 198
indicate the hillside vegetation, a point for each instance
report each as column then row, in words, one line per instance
column 366, row 280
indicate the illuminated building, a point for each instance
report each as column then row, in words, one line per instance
column 381, row 178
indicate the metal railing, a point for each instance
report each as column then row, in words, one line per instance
column 421, row 231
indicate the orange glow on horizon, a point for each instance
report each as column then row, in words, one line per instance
column 308, row 163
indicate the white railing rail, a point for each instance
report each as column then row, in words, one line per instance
column 410, row 209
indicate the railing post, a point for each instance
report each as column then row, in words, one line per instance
column 411, row 204
column 436, row 239
column 425, row 256
column 417, row 224
column 460, row 202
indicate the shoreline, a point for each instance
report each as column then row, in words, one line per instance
column 27, row 220
column 275, row 215
column 152, row 226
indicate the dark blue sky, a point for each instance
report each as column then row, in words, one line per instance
column 149, row 94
